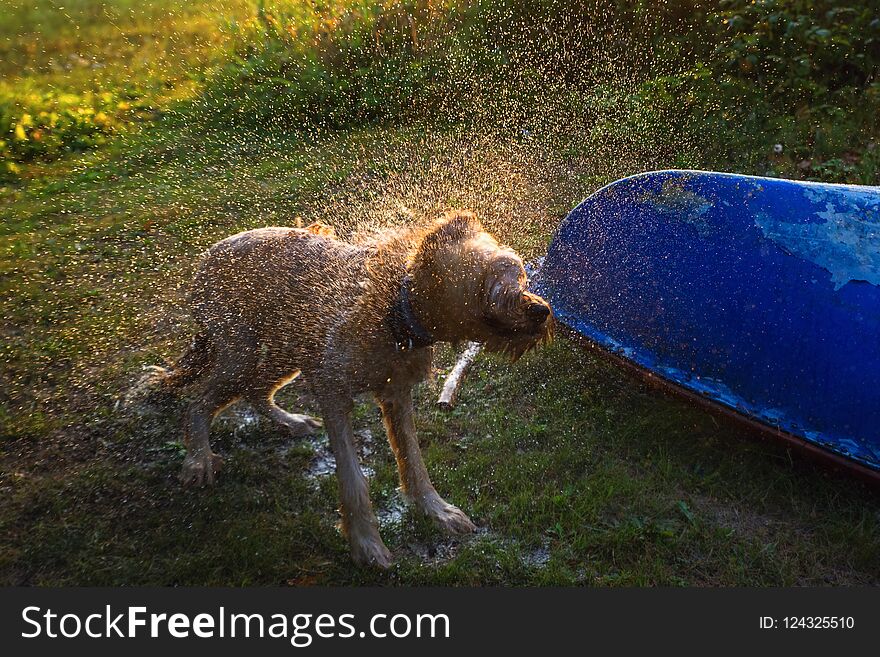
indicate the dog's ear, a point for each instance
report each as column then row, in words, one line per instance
column 452, row 227
column 320, row 228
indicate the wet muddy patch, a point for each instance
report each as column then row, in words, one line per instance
column 391, row 514
column 323, row 462
column 240, row 429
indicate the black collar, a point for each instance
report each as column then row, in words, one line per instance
column 408, row 331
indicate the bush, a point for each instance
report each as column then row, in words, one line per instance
column 800, row 47
column 354, row 61
column 338, row 62
column 46, row 125
column 728, row 78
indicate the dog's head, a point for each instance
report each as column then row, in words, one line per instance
column 472, row 288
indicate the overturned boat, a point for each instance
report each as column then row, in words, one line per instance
column 760, row 296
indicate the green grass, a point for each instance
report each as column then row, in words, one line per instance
column 575, row 473
column 75, row 74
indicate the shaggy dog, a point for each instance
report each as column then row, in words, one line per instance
column 274, row 303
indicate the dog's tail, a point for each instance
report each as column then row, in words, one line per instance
column 188, row 369
column 158, row 382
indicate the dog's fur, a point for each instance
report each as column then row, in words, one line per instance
column 351, row 317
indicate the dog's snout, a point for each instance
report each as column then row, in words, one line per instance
column 537, row 312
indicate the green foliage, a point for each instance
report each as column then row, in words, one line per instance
column 712, row 84
column 726, row 79
column 800, row 73
column 47, row 125
column 75, row 74
column 801, row 47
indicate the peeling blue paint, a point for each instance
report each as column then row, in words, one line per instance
column 843, row 238
column 762, row 295
column 678, row 203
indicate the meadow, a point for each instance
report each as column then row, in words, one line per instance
column 135, row 134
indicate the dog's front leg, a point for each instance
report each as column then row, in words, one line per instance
column 397, row 413
column 358, row 520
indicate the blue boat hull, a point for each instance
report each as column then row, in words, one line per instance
column 761, row 295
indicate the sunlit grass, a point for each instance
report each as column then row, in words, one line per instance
column 75, row 74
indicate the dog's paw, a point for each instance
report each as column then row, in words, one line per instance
column 301, row 425
column 448, row 517
column 304, row 425
column 200, row 469
column 371, row 551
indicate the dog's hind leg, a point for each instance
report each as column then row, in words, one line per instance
column 201, row 465
column 397, row 414
column 263, row 400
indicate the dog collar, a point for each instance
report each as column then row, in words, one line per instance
column 408, row 331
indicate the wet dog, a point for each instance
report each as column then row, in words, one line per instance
column 351, row 317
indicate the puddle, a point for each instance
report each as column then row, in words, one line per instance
column 323, row 463
column 435, row 553
column 537, row 558
column 241, row 418
column 391, row 514
column 533, row 559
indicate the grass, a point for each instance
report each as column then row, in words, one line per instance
column 576, row 473
column 75, row 74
